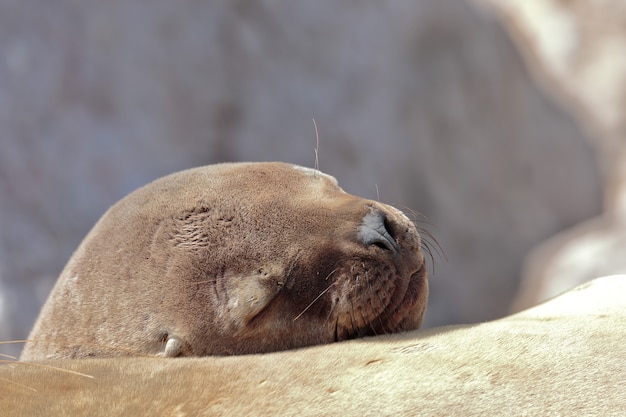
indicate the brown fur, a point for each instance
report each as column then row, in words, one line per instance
column 565, row 357
column 234, row 259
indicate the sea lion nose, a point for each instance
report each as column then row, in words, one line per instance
column 375, row 231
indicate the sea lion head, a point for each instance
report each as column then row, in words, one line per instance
column 235, row 259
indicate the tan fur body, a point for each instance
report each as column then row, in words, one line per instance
column 565, row 357
column 233, row 259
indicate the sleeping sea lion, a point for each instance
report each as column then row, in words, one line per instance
column 234, row 259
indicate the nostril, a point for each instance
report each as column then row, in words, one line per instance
column 376, row 231
column 382, row 245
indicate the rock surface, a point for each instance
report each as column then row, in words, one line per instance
column 577, row 50
column 428, row 102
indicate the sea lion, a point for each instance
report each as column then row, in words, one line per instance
column 234, row 259
column 565, row 357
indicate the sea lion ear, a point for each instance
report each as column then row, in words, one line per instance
column 249, row 294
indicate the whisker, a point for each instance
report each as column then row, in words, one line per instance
column 428, row 236
column 365, row 326
column 332, row 307
column 420, row 219
column 331, row 272
column 429, row 243
column 352, row 320
column 55, row 368
column 426, row 248
column 433, row 248
column 313, row 302
column 110, row 347
column 292, row 265
column 384, row 328
column 412, row 212
column 378, row 316
column 18, row 384
column 317, row 147
column 416, row 216
column 370, row 323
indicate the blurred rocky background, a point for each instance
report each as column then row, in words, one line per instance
column 426, row 105
column 577, row 51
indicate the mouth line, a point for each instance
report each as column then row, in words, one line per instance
column 390, row 319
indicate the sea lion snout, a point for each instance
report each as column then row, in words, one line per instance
column 235, row 259
column 375, row 231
